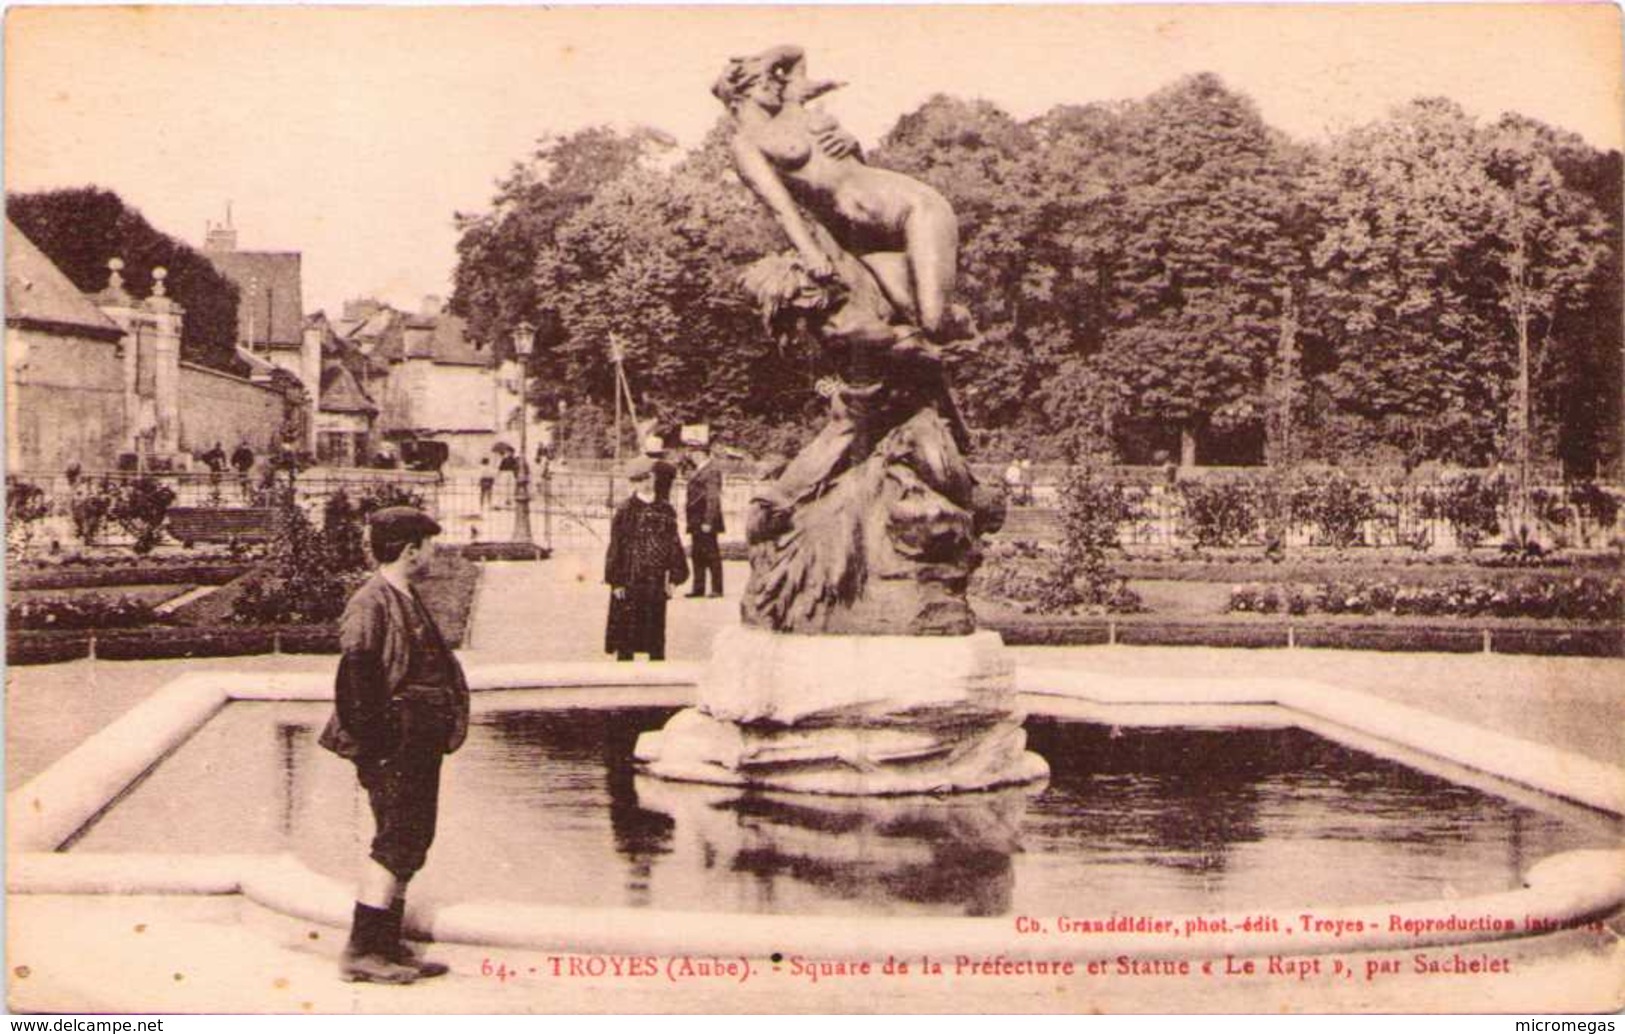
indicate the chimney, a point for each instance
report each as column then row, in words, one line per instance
column 432, row 305
column 221, row 238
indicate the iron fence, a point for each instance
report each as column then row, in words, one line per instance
column 571, row 506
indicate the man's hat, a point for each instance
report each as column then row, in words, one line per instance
column 654, row 446
column 639, row 469
column 402, row 522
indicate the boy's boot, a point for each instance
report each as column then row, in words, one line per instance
column 366, row 958
column 402, row 953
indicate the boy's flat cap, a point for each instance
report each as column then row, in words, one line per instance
column 402, row 520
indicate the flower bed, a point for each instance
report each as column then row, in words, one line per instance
column 206, row 628
column 143, row 572
column 502, row 551
column 88, row 610
column 145, row 644
column 1583, row 598
column 160, row 642
column 45, row 647
column 1385, row 634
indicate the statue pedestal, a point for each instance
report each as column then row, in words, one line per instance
column 851, row 715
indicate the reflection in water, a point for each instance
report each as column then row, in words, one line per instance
column 546, row 807
column 293, row 738
column 641, row 835
column 948, row 855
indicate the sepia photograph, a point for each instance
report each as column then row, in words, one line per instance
column 815, row 509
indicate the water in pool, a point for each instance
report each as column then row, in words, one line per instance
column 544, row 806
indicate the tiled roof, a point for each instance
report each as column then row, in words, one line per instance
column 444, row 339
column 271, row 309
column 393, row 336
column 258, row 366
column 340, row 392
column 379, row 335
column 39, row 293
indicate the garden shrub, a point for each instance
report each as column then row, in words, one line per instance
column 45, row 647
column 140, row 507
column 26, row 506
column 1550, row 508
column 112, row 572
column 385, row 494
column 153, row 644
column 1093, row 509
column 90, row 508
column 1337, row 507
column 1016, row 571
column 1220, row 513
column 1470, row 504
column 1594, row 503
column 342, row 528
column 304, row 582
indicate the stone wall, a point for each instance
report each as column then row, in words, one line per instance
column 64, row 401
column 217, row 407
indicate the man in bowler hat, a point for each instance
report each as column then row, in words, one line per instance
column 703, row 510
column 400, row 706
column 665, row 471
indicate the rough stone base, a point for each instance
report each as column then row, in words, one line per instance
column 850, row 715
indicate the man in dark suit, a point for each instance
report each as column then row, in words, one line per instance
column 704, row 513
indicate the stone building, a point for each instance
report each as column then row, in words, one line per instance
column 98, row 380
column 65, row 366
column 345, row 419
column 271, row 325
column 430, row 380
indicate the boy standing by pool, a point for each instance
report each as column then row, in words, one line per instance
column 400, row 706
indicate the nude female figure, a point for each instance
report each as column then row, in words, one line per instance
column 901, row 229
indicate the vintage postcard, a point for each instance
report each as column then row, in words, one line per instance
column 814, row 509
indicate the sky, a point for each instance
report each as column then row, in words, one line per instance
column 354, row 135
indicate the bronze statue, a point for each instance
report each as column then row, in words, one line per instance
column 871, row 531
column 872, row 527
column 902, row 230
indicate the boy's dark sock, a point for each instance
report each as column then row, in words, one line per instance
column 368, row 926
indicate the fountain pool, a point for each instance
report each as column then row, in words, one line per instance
column 1166, row 798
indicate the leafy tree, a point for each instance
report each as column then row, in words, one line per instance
column 1559, row 253
column 1132, row 271
column 79, row 229
column 1448, row 249
column 494, row 288
column 652, row 261
column 1208, row 201
column 1581, row 388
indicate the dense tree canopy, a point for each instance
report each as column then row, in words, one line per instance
column 1137, row 275
column 81, row 228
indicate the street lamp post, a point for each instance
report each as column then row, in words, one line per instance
column 524, row 340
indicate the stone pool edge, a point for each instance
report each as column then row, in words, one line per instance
column 50, row 809
column 1562, row 891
